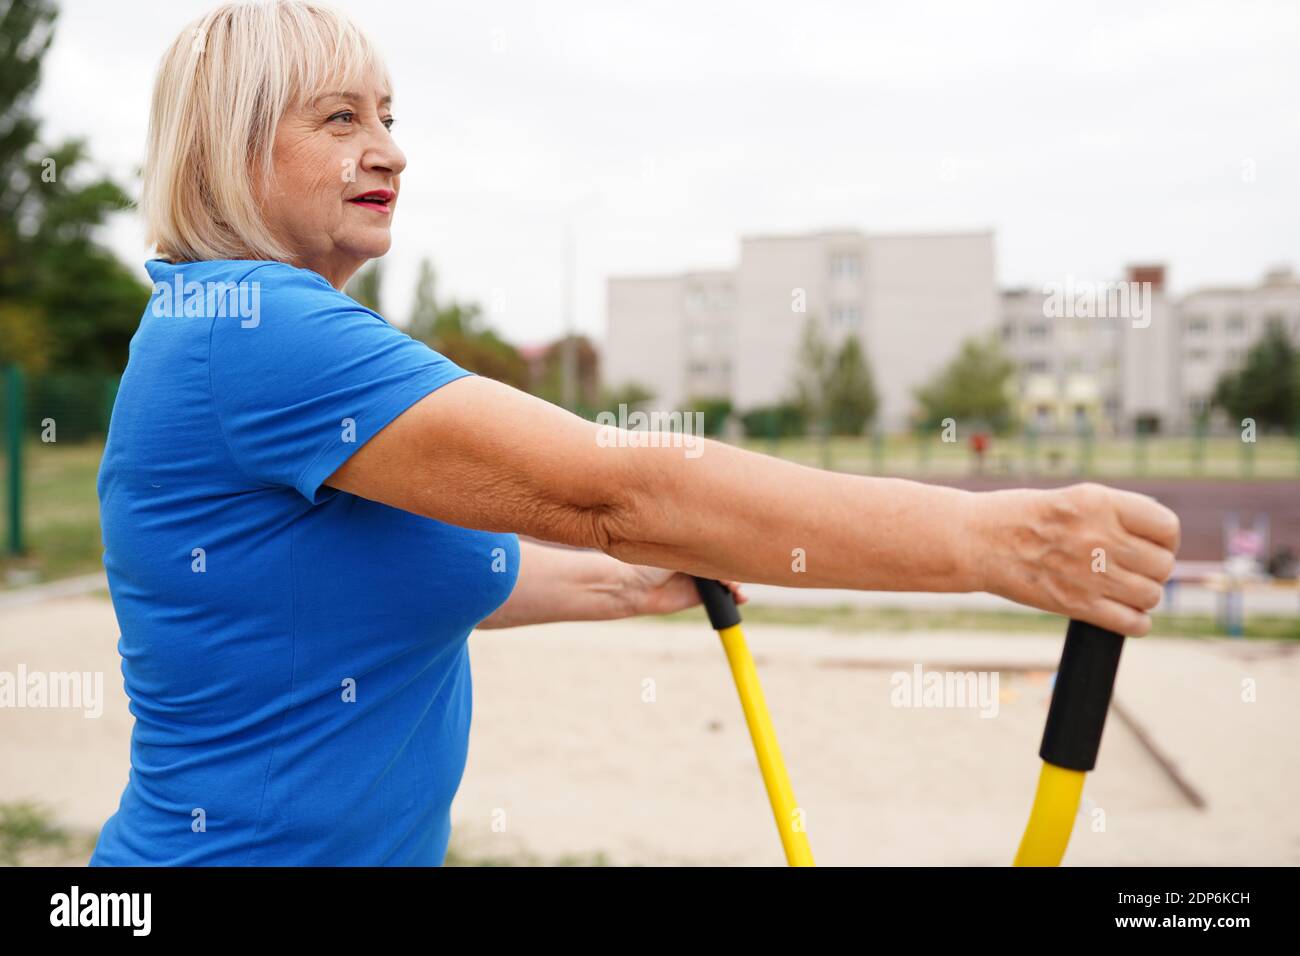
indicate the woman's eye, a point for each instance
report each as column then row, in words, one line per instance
column 388, row 123
column 347, row 113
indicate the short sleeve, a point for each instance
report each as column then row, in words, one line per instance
column 310, row 377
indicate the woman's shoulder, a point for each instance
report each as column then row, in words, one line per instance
column 278, row 283
column 268, row 273
column 258, row 292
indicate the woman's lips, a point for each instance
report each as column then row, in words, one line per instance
column 377, row 200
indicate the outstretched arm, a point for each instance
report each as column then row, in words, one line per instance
column 480, row 454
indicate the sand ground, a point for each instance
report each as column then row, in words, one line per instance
column 625, row 742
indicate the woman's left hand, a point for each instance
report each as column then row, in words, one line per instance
column 658, row 591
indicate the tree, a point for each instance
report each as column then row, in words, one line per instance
column 424, row 309
column 1295, row 393
column 367, row 286
column 26, row 31
column 716, row 411
column 1267, row 387
column 813, row 369
column 632, row 394
column 485, row 354
column 65, row 301
column 851, row 390
column 970, row 388
column 833, row 388
column 774, row 421
column 25, row 337
column 457, row 331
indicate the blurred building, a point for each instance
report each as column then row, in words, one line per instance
column 673, row 335
column 1112, row 357
column 910, row 299
column 1217, row 326
column 1098, row 365
column 1118, row 372
column 1054, row 390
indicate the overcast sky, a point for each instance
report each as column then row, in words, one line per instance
column 1086, row 135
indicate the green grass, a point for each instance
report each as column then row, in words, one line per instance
column 876, row 620
column 62, row 512
column 28, row 835
column 1272, row 457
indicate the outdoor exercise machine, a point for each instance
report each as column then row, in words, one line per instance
column 1076, row 717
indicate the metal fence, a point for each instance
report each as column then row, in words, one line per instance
column 59, row 406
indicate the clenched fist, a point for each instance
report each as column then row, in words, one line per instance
column 1085, row 551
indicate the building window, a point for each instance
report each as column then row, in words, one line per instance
column 1074, row 364
column 846, row 317
column 845, row 265
column 1036, row 367
column 699, row 298
column 1236, row 323
column 1197, row 355
column 1198, row 325
column 1037, row 331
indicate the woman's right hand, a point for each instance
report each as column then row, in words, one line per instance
column 1084, row 551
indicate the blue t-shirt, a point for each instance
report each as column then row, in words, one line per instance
column 296, row 657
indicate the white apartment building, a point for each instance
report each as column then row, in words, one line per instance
column 1218, row 326
column 674, row 335
column 1115, row 372
column 910, row 299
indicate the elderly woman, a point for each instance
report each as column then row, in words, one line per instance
column 306, row 512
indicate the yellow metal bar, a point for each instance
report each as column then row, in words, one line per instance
column 1052, row 819
column 789, row 817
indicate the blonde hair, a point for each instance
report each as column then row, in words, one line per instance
column 221, row 90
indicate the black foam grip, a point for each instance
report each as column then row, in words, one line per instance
column 1081, row 697
column 718, row 603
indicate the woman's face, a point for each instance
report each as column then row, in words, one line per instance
column 327, row 154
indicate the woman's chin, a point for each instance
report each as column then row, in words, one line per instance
column 372, row 247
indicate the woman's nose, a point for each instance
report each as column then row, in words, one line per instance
column 384, row 156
